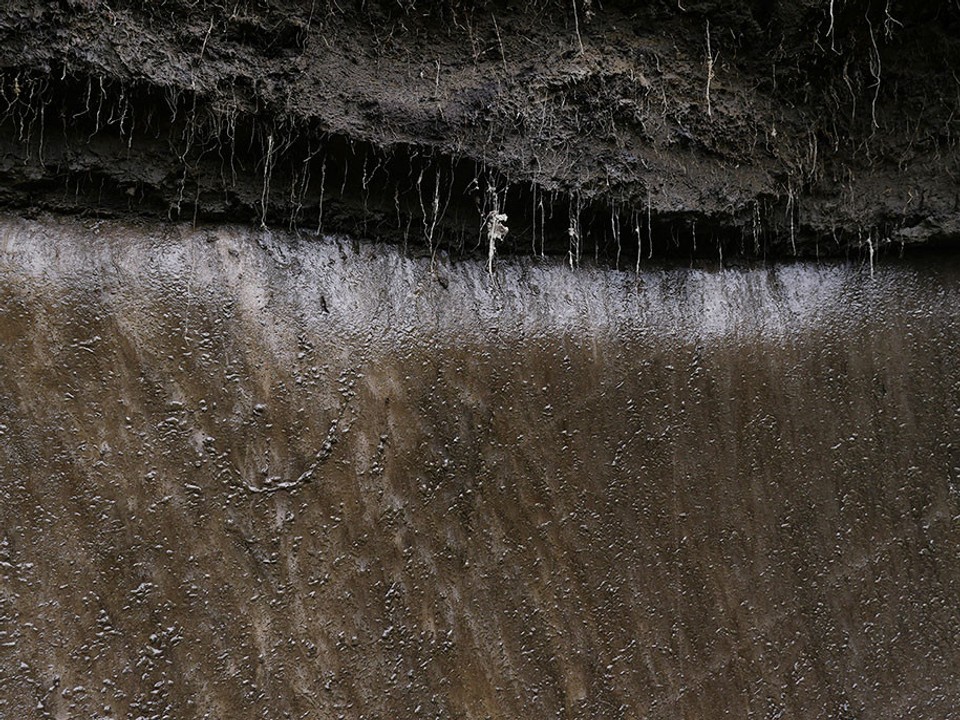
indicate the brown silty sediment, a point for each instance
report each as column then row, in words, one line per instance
column 248, row 475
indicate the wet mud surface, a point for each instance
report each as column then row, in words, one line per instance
column 245, row 475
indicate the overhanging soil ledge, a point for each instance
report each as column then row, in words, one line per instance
column 702, row 128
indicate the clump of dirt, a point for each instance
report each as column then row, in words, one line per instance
column 739, row 128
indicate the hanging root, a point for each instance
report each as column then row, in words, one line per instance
column 791, row 209
column 576, row 25
column 649, row 227
column 636, row 230
column 573, row 231
column 875, row 68
column 711, row 60
column 267, row 171
column 496, row 224
column 615, row 228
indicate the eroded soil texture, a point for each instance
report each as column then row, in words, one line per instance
column 599, row 130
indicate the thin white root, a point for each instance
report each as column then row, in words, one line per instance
column 710, row 61
column 496, row 229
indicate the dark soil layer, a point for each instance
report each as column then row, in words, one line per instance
column 732, row 128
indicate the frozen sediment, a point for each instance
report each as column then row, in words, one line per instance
column 246, row 474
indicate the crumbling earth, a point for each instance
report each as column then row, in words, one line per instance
column 613, row 130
